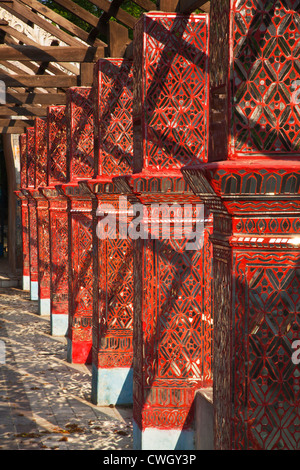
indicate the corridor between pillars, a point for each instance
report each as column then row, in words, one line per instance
column 35, row 224
column 254, row 196
column 58, row 219
column 80, row 165
column 172, row 308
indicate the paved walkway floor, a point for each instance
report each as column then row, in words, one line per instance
column 7, row 278
column 44, row 400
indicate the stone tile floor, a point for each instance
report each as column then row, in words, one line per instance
column 44, row 400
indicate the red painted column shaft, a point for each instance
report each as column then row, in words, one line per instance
column 253, row 188
column 24, row 213
column 80, row 166
column 58, row 219
column 42, row 205
column 172, row 356
column 113, row 292
column 32, row 213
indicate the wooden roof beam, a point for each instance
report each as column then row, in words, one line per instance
column 206, row 7
column 112, row 9
column 12, row 130
column 188, row 6
column 25, row 111
column 78, row 11
column 118, row 39
column 11, row 32
column 183, row 6
column 51, row 53
column 41, row 81
column 44, row 67
column 19, row 71
column 98, row 24
column 25, row 14
column 63, row 22
column 146, row 5
column 16, row 122
column 35, row 98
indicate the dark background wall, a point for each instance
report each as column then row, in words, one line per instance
column 10, row 175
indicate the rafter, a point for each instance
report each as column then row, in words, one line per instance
column 12, row 130
column 43, row 81
column 63, row 22
column 51, row 53
column 188, row 6
column 35, row 98
column 78, row 11
column 26, row 111
column 113, row 9
column 147, row 5
column 16, row 122
column 28, row 95
column 17, row 70
column 38, row 69
column 8, row 31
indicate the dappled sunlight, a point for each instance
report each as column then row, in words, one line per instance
column 45, row 401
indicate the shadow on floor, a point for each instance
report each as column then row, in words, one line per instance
column 7, row 278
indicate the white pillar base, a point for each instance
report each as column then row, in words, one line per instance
column 162, row 439
column 44, row 306
column 112, row 386
column 34, row 290
column 26, row 282
column 59, row 324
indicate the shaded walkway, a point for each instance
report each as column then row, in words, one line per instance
column 44, row 400
column 7, row 278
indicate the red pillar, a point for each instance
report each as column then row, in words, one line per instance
column 58, row 219
column 172, row 333
column 253, row 189
column 42, row 205
column 32, row 213
column 113, row 293
column 80, row 165
column 24, row 213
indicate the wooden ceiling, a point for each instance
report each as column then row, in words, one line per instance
column 37, row 76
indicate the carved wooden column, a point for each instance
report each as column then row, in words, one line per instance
column 172, row 279
column 58, row 219
column 32, row 213
column 42, row 207
column 24, row 213
column 254, row 193
column 256, row 296
column 113, row 290
column 80, row 165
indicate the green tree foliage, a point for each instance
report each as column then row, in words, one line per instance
column 127, row 5
column 70, row 16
